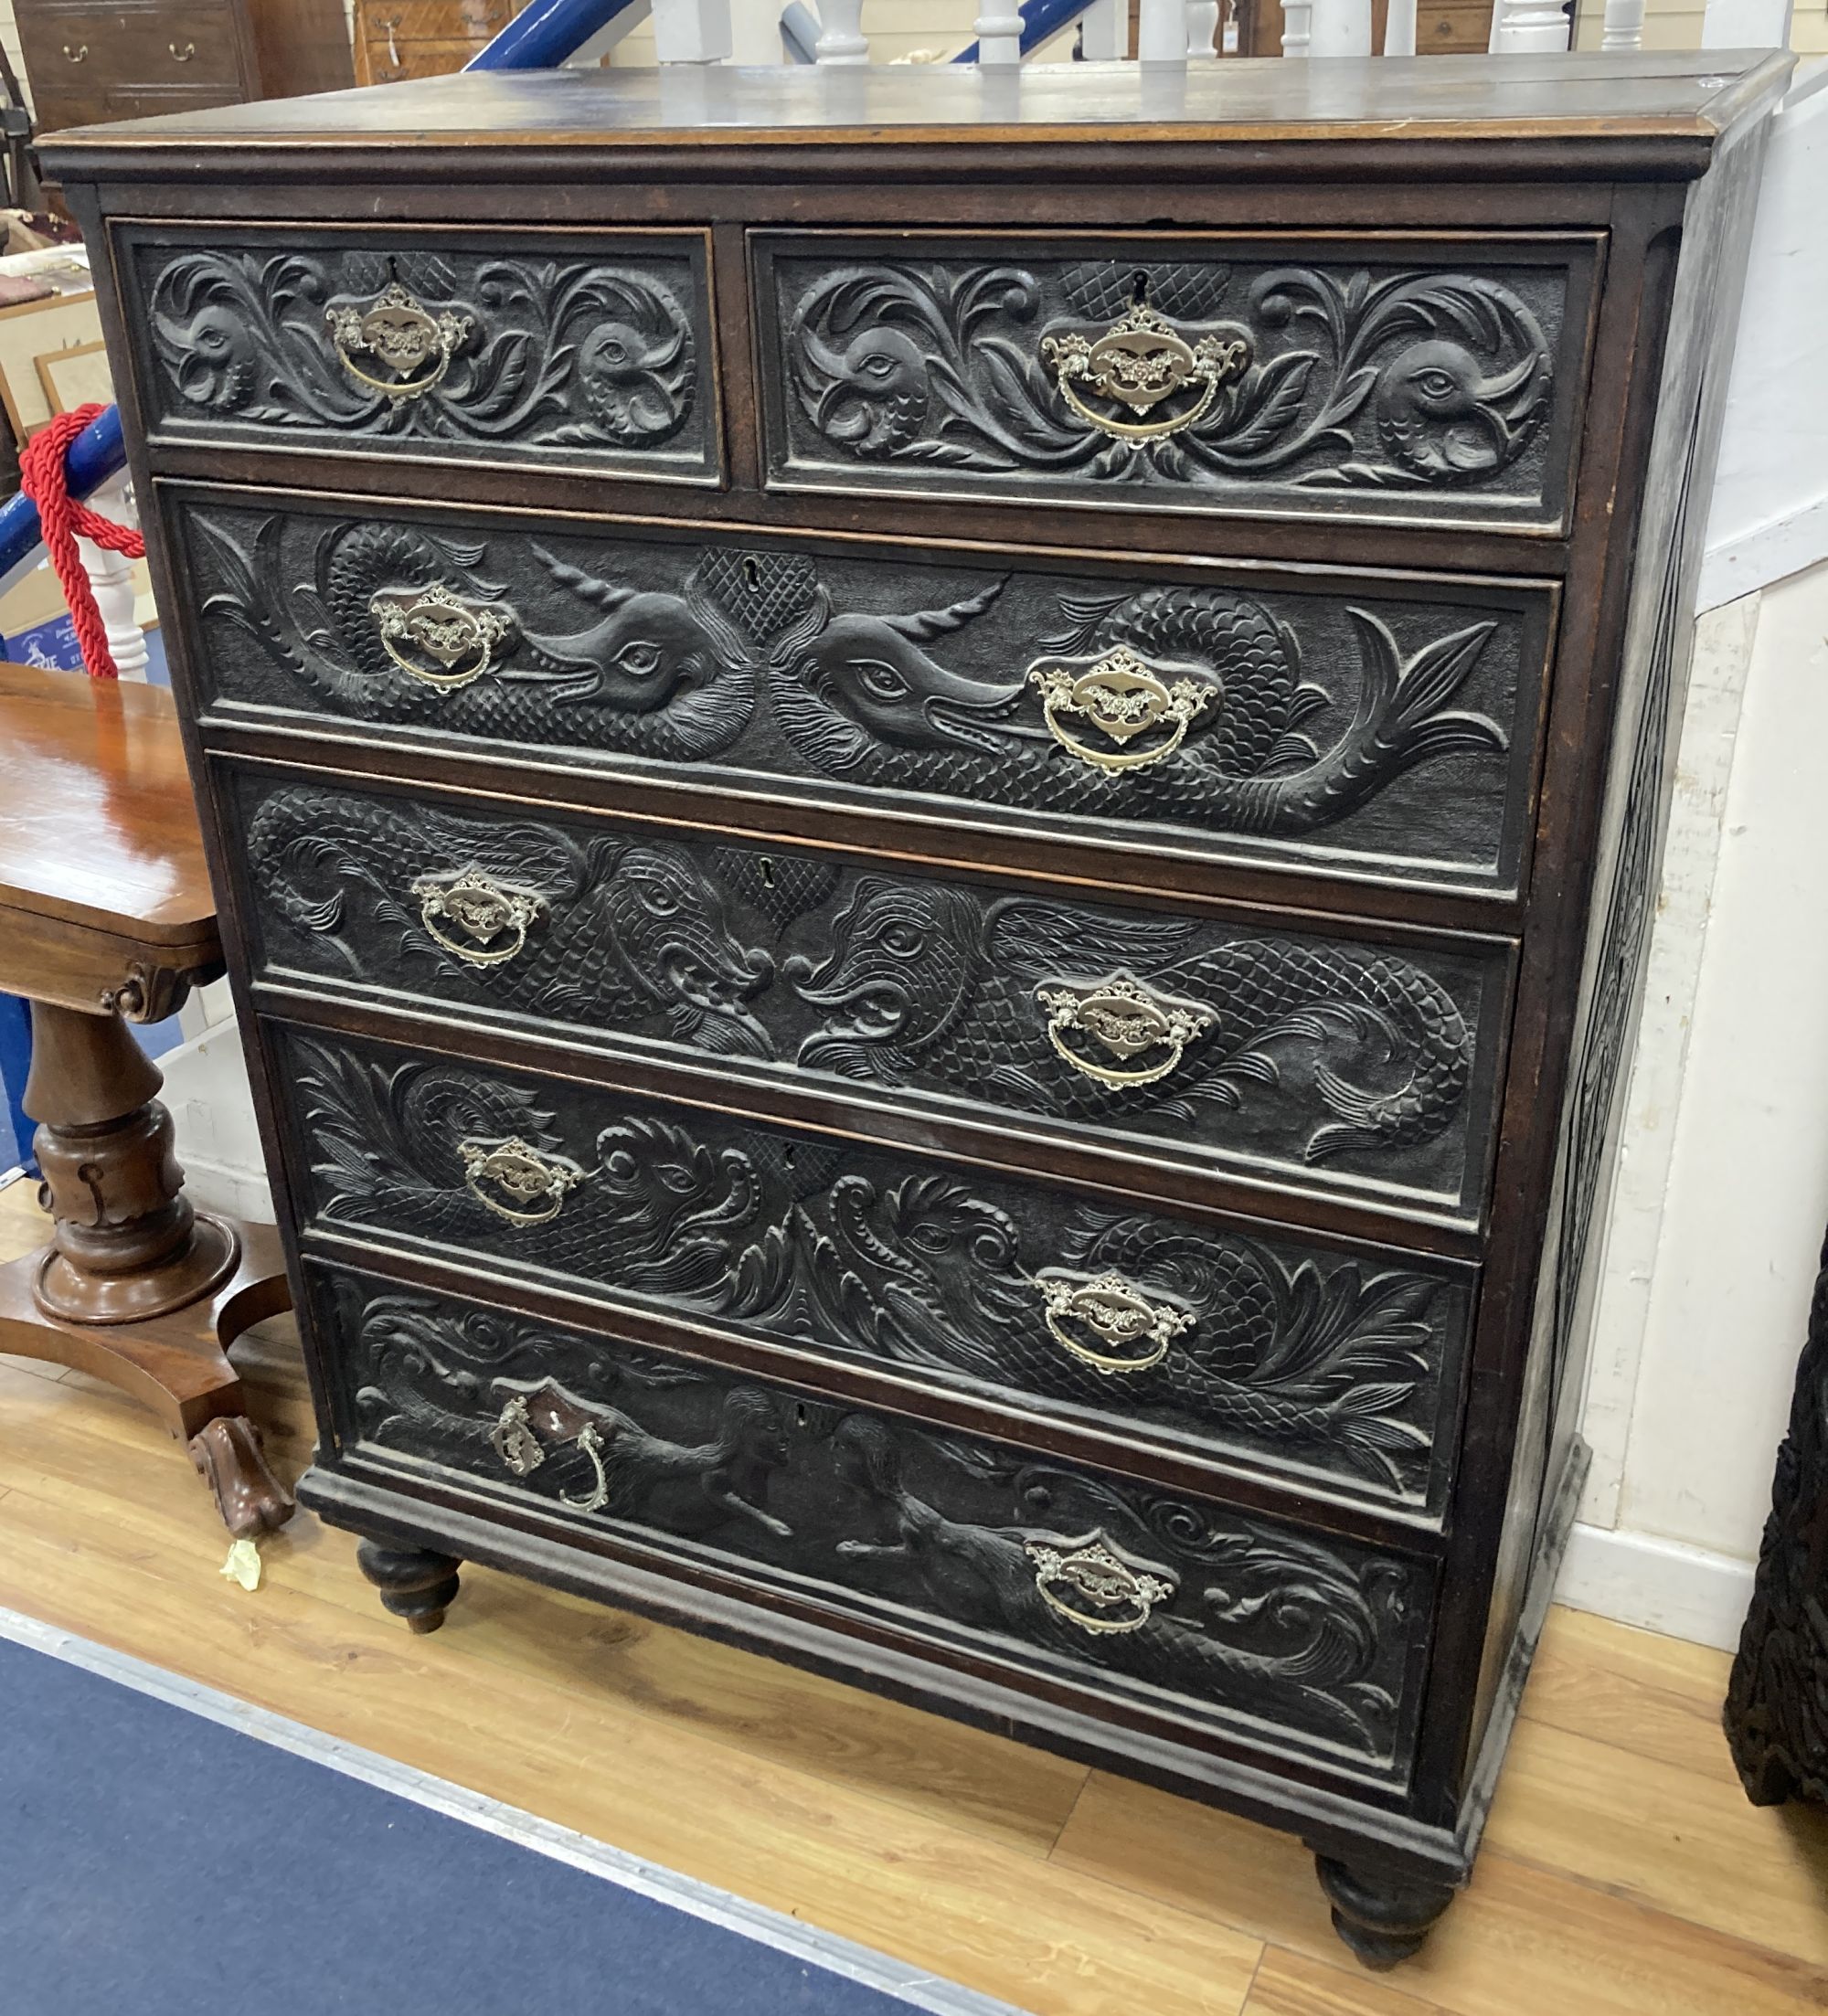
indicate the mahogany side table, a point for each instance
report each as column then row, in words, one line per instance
column 106, row 917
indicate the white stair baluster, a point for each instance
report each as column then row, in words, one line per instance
column 692, row 31
column 1624, row 25
column 1535, row 27
column 1106, row 37
column 1341, row 27
column 111, row 580
column 1746, row 25
column 999, row 36
column 1297, row 20
column 1162, row 31
column 842, row 39
column 1203, row 29
column 1399, row 29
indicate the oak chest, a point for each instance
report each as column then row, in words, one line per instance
column 936, row 798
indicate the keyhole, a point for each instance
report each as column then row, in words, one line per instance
column 787, row 1158
column 800, row 1417
column 766, row 872
column 1138, row 288
column 751, row 573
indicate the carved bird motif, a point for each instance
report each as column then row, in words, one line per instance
column 1440, row 419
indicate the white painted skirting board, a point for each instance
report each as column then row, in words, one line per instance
column 1656, row 1583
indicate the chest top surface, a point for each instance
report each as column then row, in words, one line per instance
column 1676, row 105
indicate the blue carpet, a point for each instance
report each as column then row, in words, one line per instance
column 154, row 1862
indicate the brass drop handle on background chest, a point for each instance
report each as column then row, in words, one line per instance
column 1085, row 1582
column 1125, row 1020
column 1139, row 361
column 483, row 909
column 1132, row 1333
column 182, row 55
column 534, row 1185
column 402, row 334
column 514, row 1442
column 460, row 642
column 1117, row 696
column 78, row 55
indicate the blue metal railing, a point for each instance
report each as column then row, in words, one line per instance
column 545, row 34
column 95, row 454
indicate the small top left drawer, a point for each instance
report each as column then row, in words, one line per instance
column 591, row 351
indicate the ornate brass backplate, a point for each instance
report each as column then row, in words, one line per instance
column 483, row 909
column 1090, row 1585
column 401, row 334
column 1125, row 1020
column 534, row 1185
column 1121, row 695
column 1131, row 1333
column 512, row 1438
column 516, row 1442
column 460, row 642
column 1141, row 360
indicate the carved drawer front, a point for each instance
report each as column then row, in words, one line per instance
column 1438, row 380
column 1184, row 1611
column 1385, row 728
column 1332, row 1064
column 590, row 350
column 1285, row 1355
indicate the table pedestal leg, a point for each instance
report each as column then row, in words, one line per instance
column 136, row 1287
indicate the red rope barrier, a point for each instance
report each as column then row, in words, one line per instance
column 62, row 519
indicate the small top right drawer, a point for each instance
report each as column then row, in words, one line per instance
column 1432, row 381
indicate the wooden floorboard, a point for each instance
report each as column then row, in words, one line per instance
column 1624, row 1874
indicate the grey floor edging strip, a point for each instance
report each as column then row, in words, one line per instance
column 699, row 1900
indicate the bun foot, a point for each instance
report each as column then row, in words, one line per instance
column 226, row 1452
column 1383, row 1918
column 415, row 1583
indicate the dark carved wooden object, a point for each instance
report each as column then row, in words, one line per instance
column 1774, row 1701
column 940, row 869
column 108, row 918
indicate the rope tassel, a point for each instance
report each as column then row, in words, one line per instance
column 63, row 520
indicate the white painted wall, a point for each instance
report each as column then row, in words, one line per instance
column 1722, row 1194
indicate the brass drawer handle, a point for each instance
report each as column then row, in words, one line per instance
column 79, row 55
column 1139, row 361
column 481, row 909
column 520, row 1448
column 1126, row 1021
column 1133, row 1332
column 404, row 335
column 535, row 1185
column 182, row 55
column 1089, row 1573
column 1121, row 695
column 460, row 642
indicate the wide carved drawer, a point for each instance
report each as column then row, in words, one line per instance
column 570, row 349
column 1381, row 727
column 1328, row 1063
column 1437, row 379
column 1289, row 1357
column 1171, row 1610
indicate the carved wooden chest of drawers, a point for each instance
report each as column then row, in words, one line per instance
column 936, row 799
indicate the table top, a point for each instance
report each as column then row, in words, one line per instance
column 97, row 823
column 1643, row 94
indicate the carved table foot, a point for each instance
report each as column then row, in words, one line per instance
column 1383, row 1918
column 415, row 1583
column 230, row 1459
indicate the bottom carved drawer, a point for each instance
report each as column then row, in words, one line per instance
column 1192, row 1615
